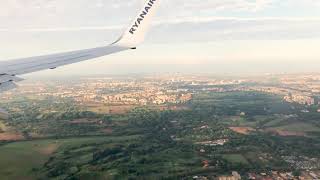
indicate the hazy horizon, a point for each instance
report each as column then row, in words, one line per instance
column 213, row 69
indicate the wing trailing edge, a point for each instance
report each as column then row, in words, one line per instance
column 7, row 82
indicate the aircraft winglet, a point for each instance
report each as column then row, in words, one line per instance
column 136, row 32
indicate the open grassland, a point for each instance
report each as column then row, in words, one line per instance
column 113, row 109
column 3, row 116
column 299, row 127
column 235, row 158
column 2, row 126
column 242, row 130
column 20, row 160
column 123, row 109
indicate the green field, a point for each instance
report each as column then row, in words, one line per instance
column 299, row 127
column 150, row 144
column 19, row 160
column 275, row 122
column 235, row 158
column 2, row 126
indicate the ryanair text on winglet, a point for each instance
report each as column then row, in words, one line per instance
column 142, row 16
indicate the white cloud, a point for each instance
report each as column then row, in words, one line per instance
column 177, row 20
column 60, row 11
column 301, row 3
column 63, row 29
column 68, row 14
column 236, row 5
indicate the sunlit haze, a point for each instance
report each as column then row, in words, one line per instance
column 211, row 36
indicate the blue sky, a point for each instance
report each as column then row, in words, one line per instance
column 185, row 32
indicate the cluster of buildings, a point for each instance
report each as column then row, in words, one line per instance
column 177, row 88
column 108, row 91
column 219, row 142
column 289, row 95
column 300, row 99
column 272, row 175
column 276, row 175
column 234, row 176
column 302, row 162
column 301, row 88
column 146, row 97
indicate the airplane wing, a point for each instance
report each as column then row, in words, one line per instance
column 134, row 35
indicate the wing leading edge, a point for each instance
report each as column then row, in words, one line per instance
column 132, row 37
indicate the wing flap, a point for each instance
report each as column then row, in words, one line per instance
column 7, row 86
column 5, row 78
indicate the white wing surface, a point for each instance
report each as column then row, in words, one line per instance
column 134, row 35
